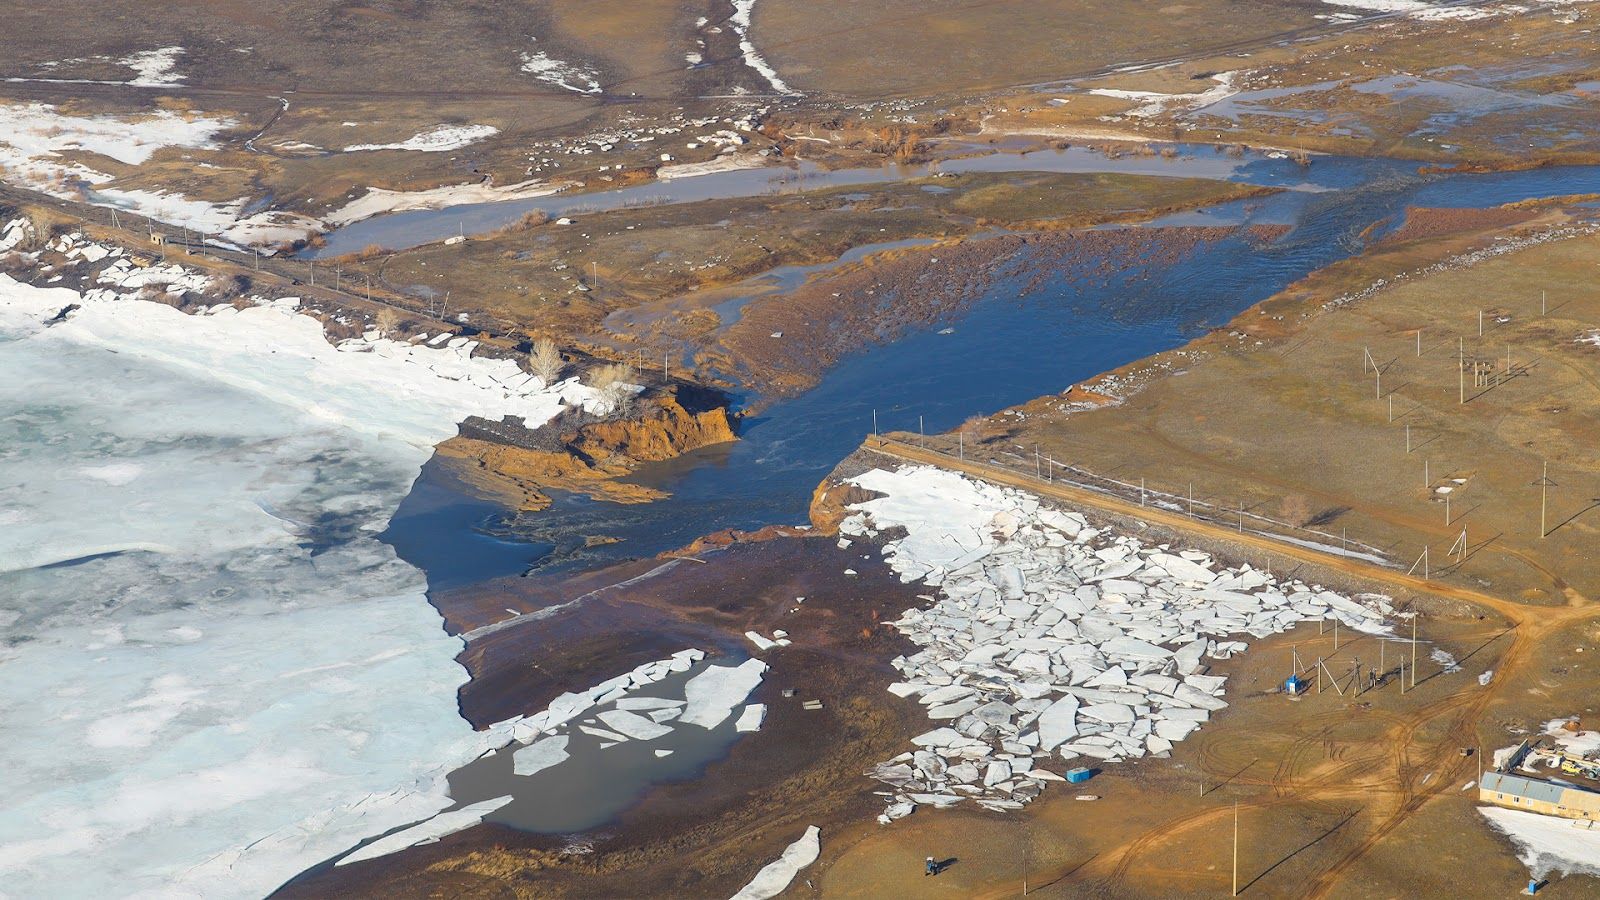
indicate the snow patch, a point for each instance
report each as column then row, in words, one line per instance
column 436, row 140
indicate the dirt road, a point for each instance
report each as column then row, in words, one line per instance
column 1384, row 784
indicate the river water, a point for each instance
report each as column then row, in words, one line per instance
column 1012, row 345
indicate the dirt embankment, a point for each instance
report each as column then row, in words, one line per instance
column 590, row 457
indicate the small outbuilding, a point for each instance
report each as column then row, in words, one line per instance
column 1550, row 798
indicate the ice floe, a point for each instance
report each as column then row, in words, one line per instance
column 249, row 679
column 777, row 875
column 1053, row 640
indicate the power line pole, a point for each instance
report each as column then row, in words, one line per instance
column 1414, row 616
column 1461, row 369
column 1544, row 484
column 1235, row 848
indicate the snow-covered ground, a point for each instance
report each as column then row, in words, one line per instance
column 379, row 200
column 1051, row 640
column 151, row 68
column 436, row 140
column 36, row 139
column 1548, row 844
column 1152, row 103
column 574, row 77
column 212, row 672
column 740, row 20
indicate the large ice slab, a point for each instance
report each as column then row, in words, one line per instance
column 713, row 693
column 777, row 875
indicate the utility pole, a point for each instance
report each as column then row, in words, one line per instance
column 1419, row 343
column 1235, row 848
column 1141, row 491
column 1542, row 303
column 1414, row 615
column 1461, row 369
column 961, row 445
column 874, row 422
column 1544, row 484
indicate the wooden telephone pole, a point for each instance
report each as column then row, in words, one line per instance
column 1545, row 484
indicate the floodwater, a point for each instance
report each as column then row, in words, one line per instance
column 412, row 228
column 600, row 779
column 1020, row 340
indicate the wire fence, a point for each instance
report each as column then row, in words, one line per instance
column 1047, row 470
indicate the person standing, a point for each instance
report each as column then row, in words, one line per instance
column 932, row 868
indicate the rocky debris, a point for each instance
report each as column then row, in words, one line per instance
column 1053, row 640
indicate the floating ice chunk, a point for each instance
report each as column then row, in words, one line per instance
column 712, row 694
column 441, row 825
column 540, row 755
column 644, row 703
column 633, row 725
column 775, row 876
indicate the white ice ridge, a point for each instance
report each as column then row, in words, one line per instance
column 436, row 140
column 249, row 679
column 1052, row 640
column 571, row 76
column 777, row 875
column 427, row 831
column 740, row 20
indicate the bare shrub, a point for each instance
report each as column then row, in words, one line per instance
column 545, row 360
column 370, row 251
column 387, row 322
column 614, row 382
column 529, row 221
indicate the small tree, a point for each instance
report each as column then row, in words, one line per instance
column 614, row 381
column 545, row 360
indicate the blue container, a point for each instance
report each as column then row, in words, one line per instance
column 1079, row 775
column 1293, row 685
